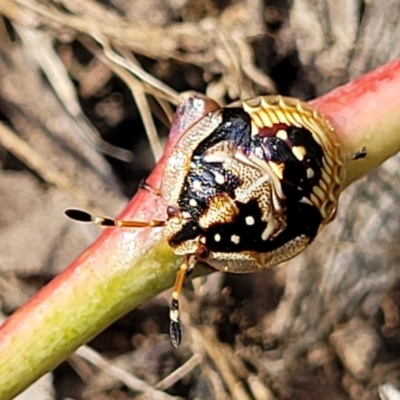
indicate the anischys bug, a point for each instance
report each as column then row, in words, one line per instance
column 247, row 186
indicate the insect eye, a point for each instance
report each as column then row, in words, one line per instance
column 172, row 212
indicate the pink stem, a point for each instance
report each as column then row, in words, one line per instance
column 125, row 267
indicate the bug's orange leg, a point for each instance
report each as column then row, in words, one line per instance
column 175, row 332
column 83, row 216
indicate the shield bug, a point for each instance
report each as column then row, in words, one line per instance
column 247, row 186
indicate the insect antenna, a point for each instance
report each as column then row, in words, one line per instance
column 83, row 216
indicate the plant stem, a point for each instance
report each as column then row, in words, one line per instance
column 125, row 267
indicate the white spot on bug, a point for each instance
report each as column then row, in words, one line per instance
column 306, row 201
column 98, row 220
column 174, row 315
column 219, row 178
column 259, row 152
column 186, row 215
column 217, row 237
column 203, row 240
column 192, row 202
column 235, row 239
column 282, row 134
column 250, row 220
column 196, row 185
column 310, row 173
column 299, row 152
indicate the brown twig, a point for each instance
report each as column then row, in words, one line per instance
column 131, row 381
column 45, row 169
column 41, row 49
column 180, row 372
column 220, row 355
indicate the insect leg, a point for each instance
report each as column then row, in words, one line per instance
column 175, row 332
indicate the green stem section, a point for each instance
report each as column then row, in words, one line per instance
column 124, row 267
column 366, row 112
column 77, row 306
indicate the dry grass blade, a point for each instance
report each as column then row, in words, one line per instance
column 10, row 141
column 41, row 49
column 388, row 392
column 167, row 109
column 180, row 372
column 128, row 379
column 258, row 389
column 144, row 110
column 138, row 92
column 249, row 68
column 81, row 367
column 148, row 84
column 211, row 45
column 164, row 90
column 256, row 8
column 228, row 55
column 216, row 351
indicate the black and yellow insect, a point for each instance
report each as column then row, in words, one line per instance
column 247, row 186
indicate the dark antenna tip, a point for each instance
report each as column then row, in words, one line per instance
column 175, row 334
column 78, row 215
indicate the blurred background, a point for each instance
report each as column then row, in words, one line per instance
column 87, row 92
